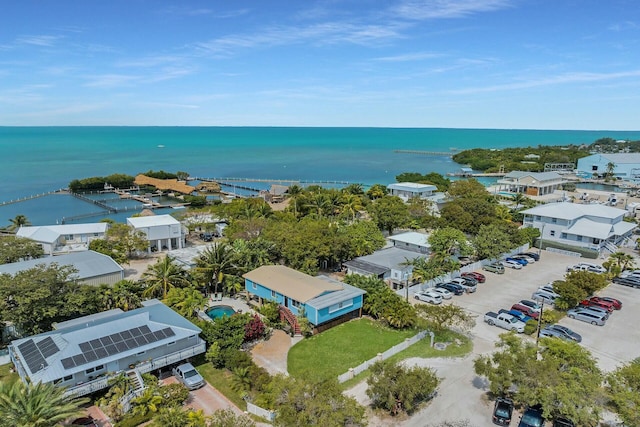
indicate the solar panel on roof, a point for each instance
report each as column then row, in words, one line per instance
column 68, row 363
column 135, row 332
column 47, row 347
column 121, row 346
column 144, row 329
column 27, row 347
column 111, row 349
column 168, row 332
column 115, row 337
column 125, row 334
column 159, row 335
column 90, row 355
column 140, row 341
column 85, row 346
column 95, row 343
column 79, row 359
column 106, row 341
column 151, row 337
column 101, row 352
column 131, row 343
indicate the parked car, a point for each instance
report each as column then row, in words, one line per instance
column 563, row 422
column 586, row 266
column 631, row 273
column 526, row 310
column 468, row 288
column 502, row 411
column 598, row 310
column 566, row 331
column 531, row 254
column 470, row 280
column 494, row 268
column 617, row 304
column 504, row 321
column 85, row 421
column 527, row 258
column 544, row 297
column 545, row 332
column 587, row 315
column 520, row 261
column 451, row 287
column 597, row 303
column 445, row 294
column 534, row 305
column 517, row 314
column 429, row 296
column 480, row 278
column 206, row 236
column 512, row 264
column 532, row 417
column 188, row 376
column 627, row 281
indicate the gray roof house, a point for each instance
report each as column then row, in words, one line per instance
column 591, row 226
column 408, row 190
column 84, row 353
column 531, row 183
column 387, row 264
column 93, row 268
column 411, row 241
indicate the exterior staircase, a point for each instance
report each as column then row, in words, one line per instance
column 286, row 314
column 610, row 247
column 137, row 385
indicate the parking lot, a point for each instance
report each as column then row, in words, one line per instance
column 462, row 395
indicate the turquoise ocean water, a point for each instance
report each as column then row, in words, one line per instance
column 40, row 159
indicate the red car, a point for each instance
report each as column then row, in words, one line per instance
column 596, row 303
column 526, row 310
column 478, row 276
column 617, row 304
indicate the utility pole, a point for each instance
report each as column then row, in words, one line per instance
column 539, row 322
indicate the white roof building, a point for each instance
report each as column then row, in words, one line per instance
column 591, row 226
column 65, row 238
column 626, row 165
column 531, row 183
column 162, row 231
column 408, row 190
column 411, row 241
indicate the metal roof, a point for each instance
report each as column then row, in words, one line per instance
column 51, row 233
column 367, row 267
column 348, row 292
column 567, row 210
column 291, row 283
column 618, row 158
column 151, row 221
column 153, row 317
column 538, row 176
column 412, row 186
column 390, row 258
column 589, row 228
column 412, row 237
column 87, row 263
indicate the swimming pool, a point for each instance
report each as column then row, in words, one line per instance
column 219, row 311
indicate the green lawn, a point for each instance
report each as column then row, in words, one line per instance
column 221, row 380
column 334, row 351
column 6, row 375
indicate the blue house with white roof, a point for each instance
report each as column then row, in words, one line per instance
column 85, row 353
column 324, row 301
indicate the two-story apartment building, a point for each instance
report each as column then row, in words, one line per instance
column 322, row 300
column 85, row 353
column 591, row 226
column 164, row 232
column 531, row 183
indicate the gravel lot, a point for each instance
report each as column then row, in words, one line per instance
column 462, row 395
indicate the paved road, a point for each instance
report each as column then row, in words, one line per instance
column 462, row 395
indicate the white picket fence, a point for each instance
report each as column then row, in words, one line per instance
column 352, row 372
column 261, row 412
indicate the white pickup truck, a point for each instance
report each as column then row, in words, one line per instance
column 505, row 321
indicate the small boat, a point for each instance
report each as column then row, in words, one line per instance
column 160, row 146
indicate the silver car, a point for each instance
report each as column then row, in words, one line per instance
column 188, row 376
column 586, row 315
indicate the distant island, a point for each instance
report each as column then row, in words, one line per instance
column 533, row 159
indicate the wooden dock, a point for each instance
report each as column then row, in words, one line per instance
column 34, row 196
column 477, row 175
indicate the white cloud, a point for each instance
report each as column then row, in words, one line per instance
column 416, row 56
column 43, row 40
column 111, row 80
column 435, row 9
column 568, row 78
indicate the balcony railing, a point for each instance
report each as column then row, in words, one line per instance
column 160, row 362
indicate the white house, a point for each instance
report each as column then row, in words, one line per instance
column 627, row 165
column 57, row 239
column 411, row 241
column 591, row 226
column 408, row 190
column 389, row 264
column 162, row 231
column 84, row 354
column 531, row 183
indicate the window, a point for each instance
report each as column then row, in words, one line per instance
column 579, row 238
column 554, row 220
column 552, row 233
column 90, row 370
column 170, row 343
column 99, row 367
column 273, row 294
column 141, row 353
column 594, row 167
column 340, row 306
column 254, row 286
column 563, row 236
column 295, row 303
column 538, row 217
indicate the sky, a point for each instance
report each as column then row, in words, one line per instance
column 507, row 64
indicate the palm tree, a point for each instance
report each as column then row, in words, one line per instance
column 17, row 222
column 148, row 401
column 622, row 260
column 241, row 381
column 518, row 198
column 215, row 262
column 186, row 301
column 294, row 192
column 319, row 202
column 125, row 295
column 610, row 169
column 162, row 276
column 351, row 204
column 36, row 405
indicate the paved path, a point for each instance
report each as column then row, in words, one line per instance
column 272, row 353
column 207, row 398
